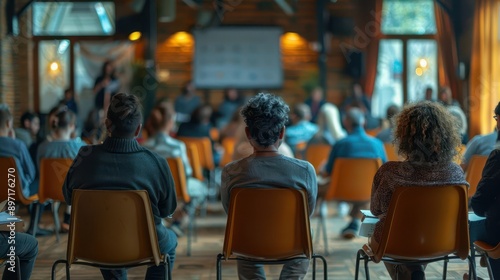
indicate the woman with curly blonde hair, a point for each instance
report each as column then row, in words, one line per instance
column 427, row 137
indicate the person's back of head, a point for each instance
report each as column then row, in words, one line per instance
column 265, row 116
column 5, row 117
column 63, row 120
column 161, row 118
column 301, row 112
column 392, row 111
column 354, row 118
column 428, row 93
column 426, row 132
column 124, row 116
column 329, row 117
column 445, row 95
column 201, row 115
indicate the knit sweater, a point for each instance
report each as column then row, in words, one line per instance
column 122, row 164
column 396, row 174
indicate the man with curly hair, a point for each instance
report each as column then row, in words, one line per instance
column 265, row 116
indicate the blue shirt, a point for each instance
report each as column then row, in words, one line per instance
column 480, row 145
column 10, row 147
column 59, row 149
column 356, row 145
column 303, row 131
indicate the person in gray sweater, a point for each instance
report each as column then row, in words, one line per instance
column 120, row 163
column 265, row 116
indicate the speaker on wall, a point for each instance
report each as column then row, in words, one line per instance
column 355, row 66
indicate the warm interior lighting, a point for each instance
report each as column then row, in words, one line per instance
column 419, row 71
column 134, row 36
column 291, row 40
column 423, row 63
column 182, row 38
column 54, row 66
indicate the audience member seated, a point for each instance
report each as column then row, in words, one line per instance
column 61, row 146
column 243, row 148
column 199, row 126
column 427, row 138
column 356, row 145
column 358, row 99
column 230, row 130
column 329, row 126
column 265, row 116
column 485, row 204
column 26, row 248
column 301, row 129
column 69, row 101
column 315, row 102
column 27, row 132
column 482, row 144
column 11, row 147
column 162, row 121
column 386, row 135
column 92, row 131
column 445, row 97
column 121, row 163
column 232, row 101
column 187, row 102
column 429, row 94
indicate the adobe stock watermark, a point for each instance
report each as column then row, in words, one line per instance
column 363, row 37
column 11, row 207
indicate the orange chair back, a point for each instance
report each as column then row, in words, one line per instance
column 194, row 160
column 352, row 179
column 474, row 172
column 425, row 222
column 267, row 224
column 204, row 146
column 228, row 143
column 179, row 174
column 52, row 175
column 112, row 227
column 317, row 154
column 11, row 182
column 373, row 132
column 214, row 134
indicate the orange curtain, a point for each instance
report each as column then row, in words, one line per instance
column 372, row 12
column 485, row 67
column 448, row 58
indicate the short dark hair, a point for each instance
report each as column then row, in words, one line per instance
column 497, row 109
column 5, row 114
column 302, row 111
column 125, row 114
column 63, row 118
column 30, row 116
column 265, row 116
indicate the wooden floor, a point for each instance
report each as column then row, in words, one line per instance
column 210, row 234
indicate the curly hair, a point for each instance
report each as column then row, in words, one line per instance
column 265, row 115
column 426, row 132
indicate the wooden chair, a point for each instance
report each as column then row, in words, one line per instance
column 112, row 229
column 206, row 157
column 423, row 224
column 228, row 143
column 351, row 181
column 391, row 152
column 474, row 172
column 268, row 226
column 52, row 175
column 317, row 154
column 194, row 160
column 486, row 250
column 179, row 175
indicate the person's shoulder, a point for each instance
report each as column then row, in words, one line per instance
column 298, row 162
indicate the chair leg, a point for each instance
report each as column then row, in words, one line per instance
column 219, row 266
column 18, row 263
column 55, row 213
column 190, row 230
column 367, row 272
column 314, row 268
column 34, row 222
column 325, row 268
column 323, row 222
column 356, row 272
column 168, row 271
column 53, row 273
column 472, row 268
column 445, row 268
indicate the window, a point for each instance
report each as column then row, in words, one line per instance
column 407, row 60
column 73, row 19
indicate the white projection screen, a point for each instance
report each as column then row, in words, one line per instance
column 238, row 57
